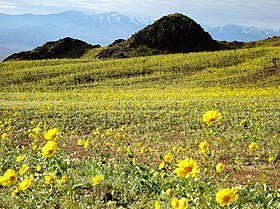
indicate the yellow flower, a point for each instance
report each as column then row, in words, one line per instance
column 80, row 142
column 271, row 159
column 161, row 165
column 49, row 178
column 181, row 150
column 253, row 146
column 23, row 169
column 31, row 177
column 139, row 144
column 25, row 184
column 225, row 196
column 49, row 148
column 109, row 131
column 118, row 136
column 4, row 136
column 38, row 168
column 187, row 167
column 183, row 203
column 179, row 204
column 19, row 158
column 51, row 134
column 123, row 128
column 157, row 204
column 9, row 177
column 143, row 150
column 220, row 167
column 15, row 192
column 97, row 179
column 168, row 192
column 211, row 116
column 175, row 203
column 86, row 144
column 168, row 158
column 203, row 147
column 129, row 149
column 63, row 180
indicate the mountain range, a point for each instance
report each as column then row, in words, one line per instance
column 27, row 31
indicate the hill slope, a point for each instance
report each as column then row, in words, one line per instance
column 170, row 34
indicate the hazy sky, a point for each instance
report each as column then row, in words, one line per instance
column 262, row 13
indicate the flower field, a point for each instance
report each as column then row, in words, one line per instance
column 197, row 130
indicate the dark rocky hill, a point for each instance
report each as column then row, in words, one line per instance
column 173, row 33
column 63, row 48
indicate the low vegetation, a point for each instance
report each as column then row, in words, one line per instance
column 196, row 130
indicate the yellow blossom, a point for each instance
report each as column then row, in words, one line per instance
column 49, row 149
column 97, row 179
column 169, row 192
column 4, row 136
column 38, row 168
column 211, row 116
column 220, row 167
column 271, row 159
column 161, row 165
column 123, row 128
column 187, row 167
column 168, row 158
column 9, row 177
column 118, row 136
column 203, row 147
column 15, row 192
column 157, row 204
column 253, row 146
column 80, row 142
column 23, row 169
column 19, row 158
column 51, row 134
column 49, row 178
column 225, row 196
column 25, row 184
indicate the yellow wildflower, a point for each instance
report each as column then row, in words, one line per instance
column 23, row 169
column 187, row 167
column 4, row 136
column 220, row 167
column 51, row 134
column 253, row 146
column 38, row 168
column 204, row 146
column 169, row 192
column 157, row 204
column 161, row 165
column 25, row 184
column 211, row 116
column 19, row 158
column 225, row 196
column 49, row 178
column 271, row 159
column 168, row 158
column 49, row 149
column 97, row 179
column 9, row 177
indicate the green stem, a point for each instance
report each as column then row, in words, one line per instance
column 4, row 204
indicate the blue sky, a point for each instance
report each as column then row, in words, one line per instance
column 261, row 13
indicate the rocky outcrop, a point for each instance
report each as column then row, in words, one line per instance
column 63, row 48
column 173, row 33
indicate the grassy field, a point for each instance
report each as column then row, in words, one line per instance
column 197, row 130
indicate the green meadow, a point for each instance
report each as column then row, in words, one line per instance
column 196, row 130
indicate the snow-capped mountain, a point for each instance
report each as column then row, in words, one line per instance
column 233, row 32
